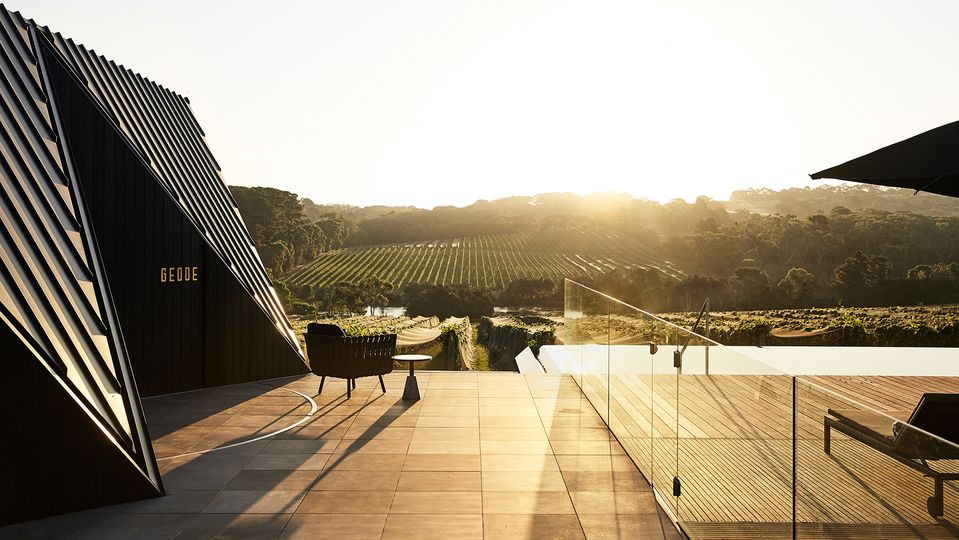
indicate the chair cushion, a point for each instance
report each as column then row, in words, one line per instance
column 323, row 329
column 872, row 424
column 937, row 413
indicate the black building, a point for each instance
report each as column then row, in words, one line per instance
column 125, row 265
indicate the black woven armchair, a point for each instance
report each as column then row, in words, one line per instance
column 350, row 357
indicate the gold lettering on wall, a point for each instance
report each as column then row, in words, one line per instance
column 179, row 274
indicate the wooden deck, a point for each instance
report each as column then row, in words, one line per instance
column 729, row 439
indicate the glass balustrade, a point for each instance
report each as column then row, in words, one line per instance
column 736, row 448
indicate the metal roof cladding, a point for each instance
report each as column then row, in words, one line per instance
column 51, row 294
column 161, row 124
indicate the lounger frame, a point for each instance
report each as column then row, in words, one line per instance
column 934, row 504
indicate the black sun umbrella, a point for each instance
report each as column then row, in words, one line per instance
column 926, row 162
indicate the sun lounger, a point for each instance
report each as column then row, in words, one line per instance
column 908, row 443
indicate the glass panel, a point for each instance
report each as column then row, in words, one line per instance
column 625, row 372
column 760, row 453
column 663, row 374
column 572, row 333
column 595, row 375
column 735, row 445
column 631, row 382
column 586, row 335
column 862, row 472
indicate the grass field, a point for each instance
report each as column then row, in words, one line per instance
column 484, row 262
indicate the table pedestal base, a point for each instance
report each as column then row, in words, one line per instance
column 412, row 390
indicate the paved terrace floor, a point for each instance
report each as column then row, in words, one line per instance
column 482, row 455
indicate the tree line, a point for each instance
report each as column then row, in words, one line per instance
column 807, row 201
column 283, row 234
column 861, row 258
column 740, row 259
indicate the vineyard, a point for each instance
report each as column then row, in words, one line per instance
column 485, row 262
column 893, row 326
column 364, row 325
column 414, row 335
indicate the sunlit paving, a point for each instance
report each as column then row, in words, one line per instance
column 492, row 455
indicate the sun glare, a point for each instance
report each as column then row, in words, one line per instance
column 431, row 102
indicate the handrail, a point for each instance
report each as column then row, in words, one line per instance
column 678, row 353
column 692, row 331
column 638, row 310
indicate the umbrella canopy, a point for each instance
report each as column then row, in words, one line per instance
column 926, row 162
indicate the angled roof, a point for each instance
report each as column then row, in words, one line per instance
column 51, row 291
column 161, row 124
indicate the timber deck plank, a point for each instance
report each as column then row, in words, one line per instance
column 735, row 454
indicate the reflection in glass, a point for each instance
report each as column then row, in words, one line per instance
column 760, row 453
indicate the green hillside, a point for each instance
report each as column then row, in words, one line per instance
column 753, row 258
column 486, row 261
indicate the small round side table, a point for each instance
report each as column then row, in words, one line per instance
column 412, row 391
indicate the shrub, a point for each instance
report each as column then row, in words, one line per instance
column 850, row 329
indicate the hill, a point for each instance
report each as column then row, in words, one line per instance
column 803, row 202
column 354, row 214
column 485, row 261
column 513, row 251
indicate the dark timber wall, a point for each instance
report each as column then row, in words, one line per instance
column 55, row 458
column 180, row 335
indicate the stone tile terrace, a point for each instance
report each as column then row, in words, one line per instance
column 482, row 455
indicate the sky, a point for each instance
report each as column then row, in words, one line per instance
column 436, row 102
